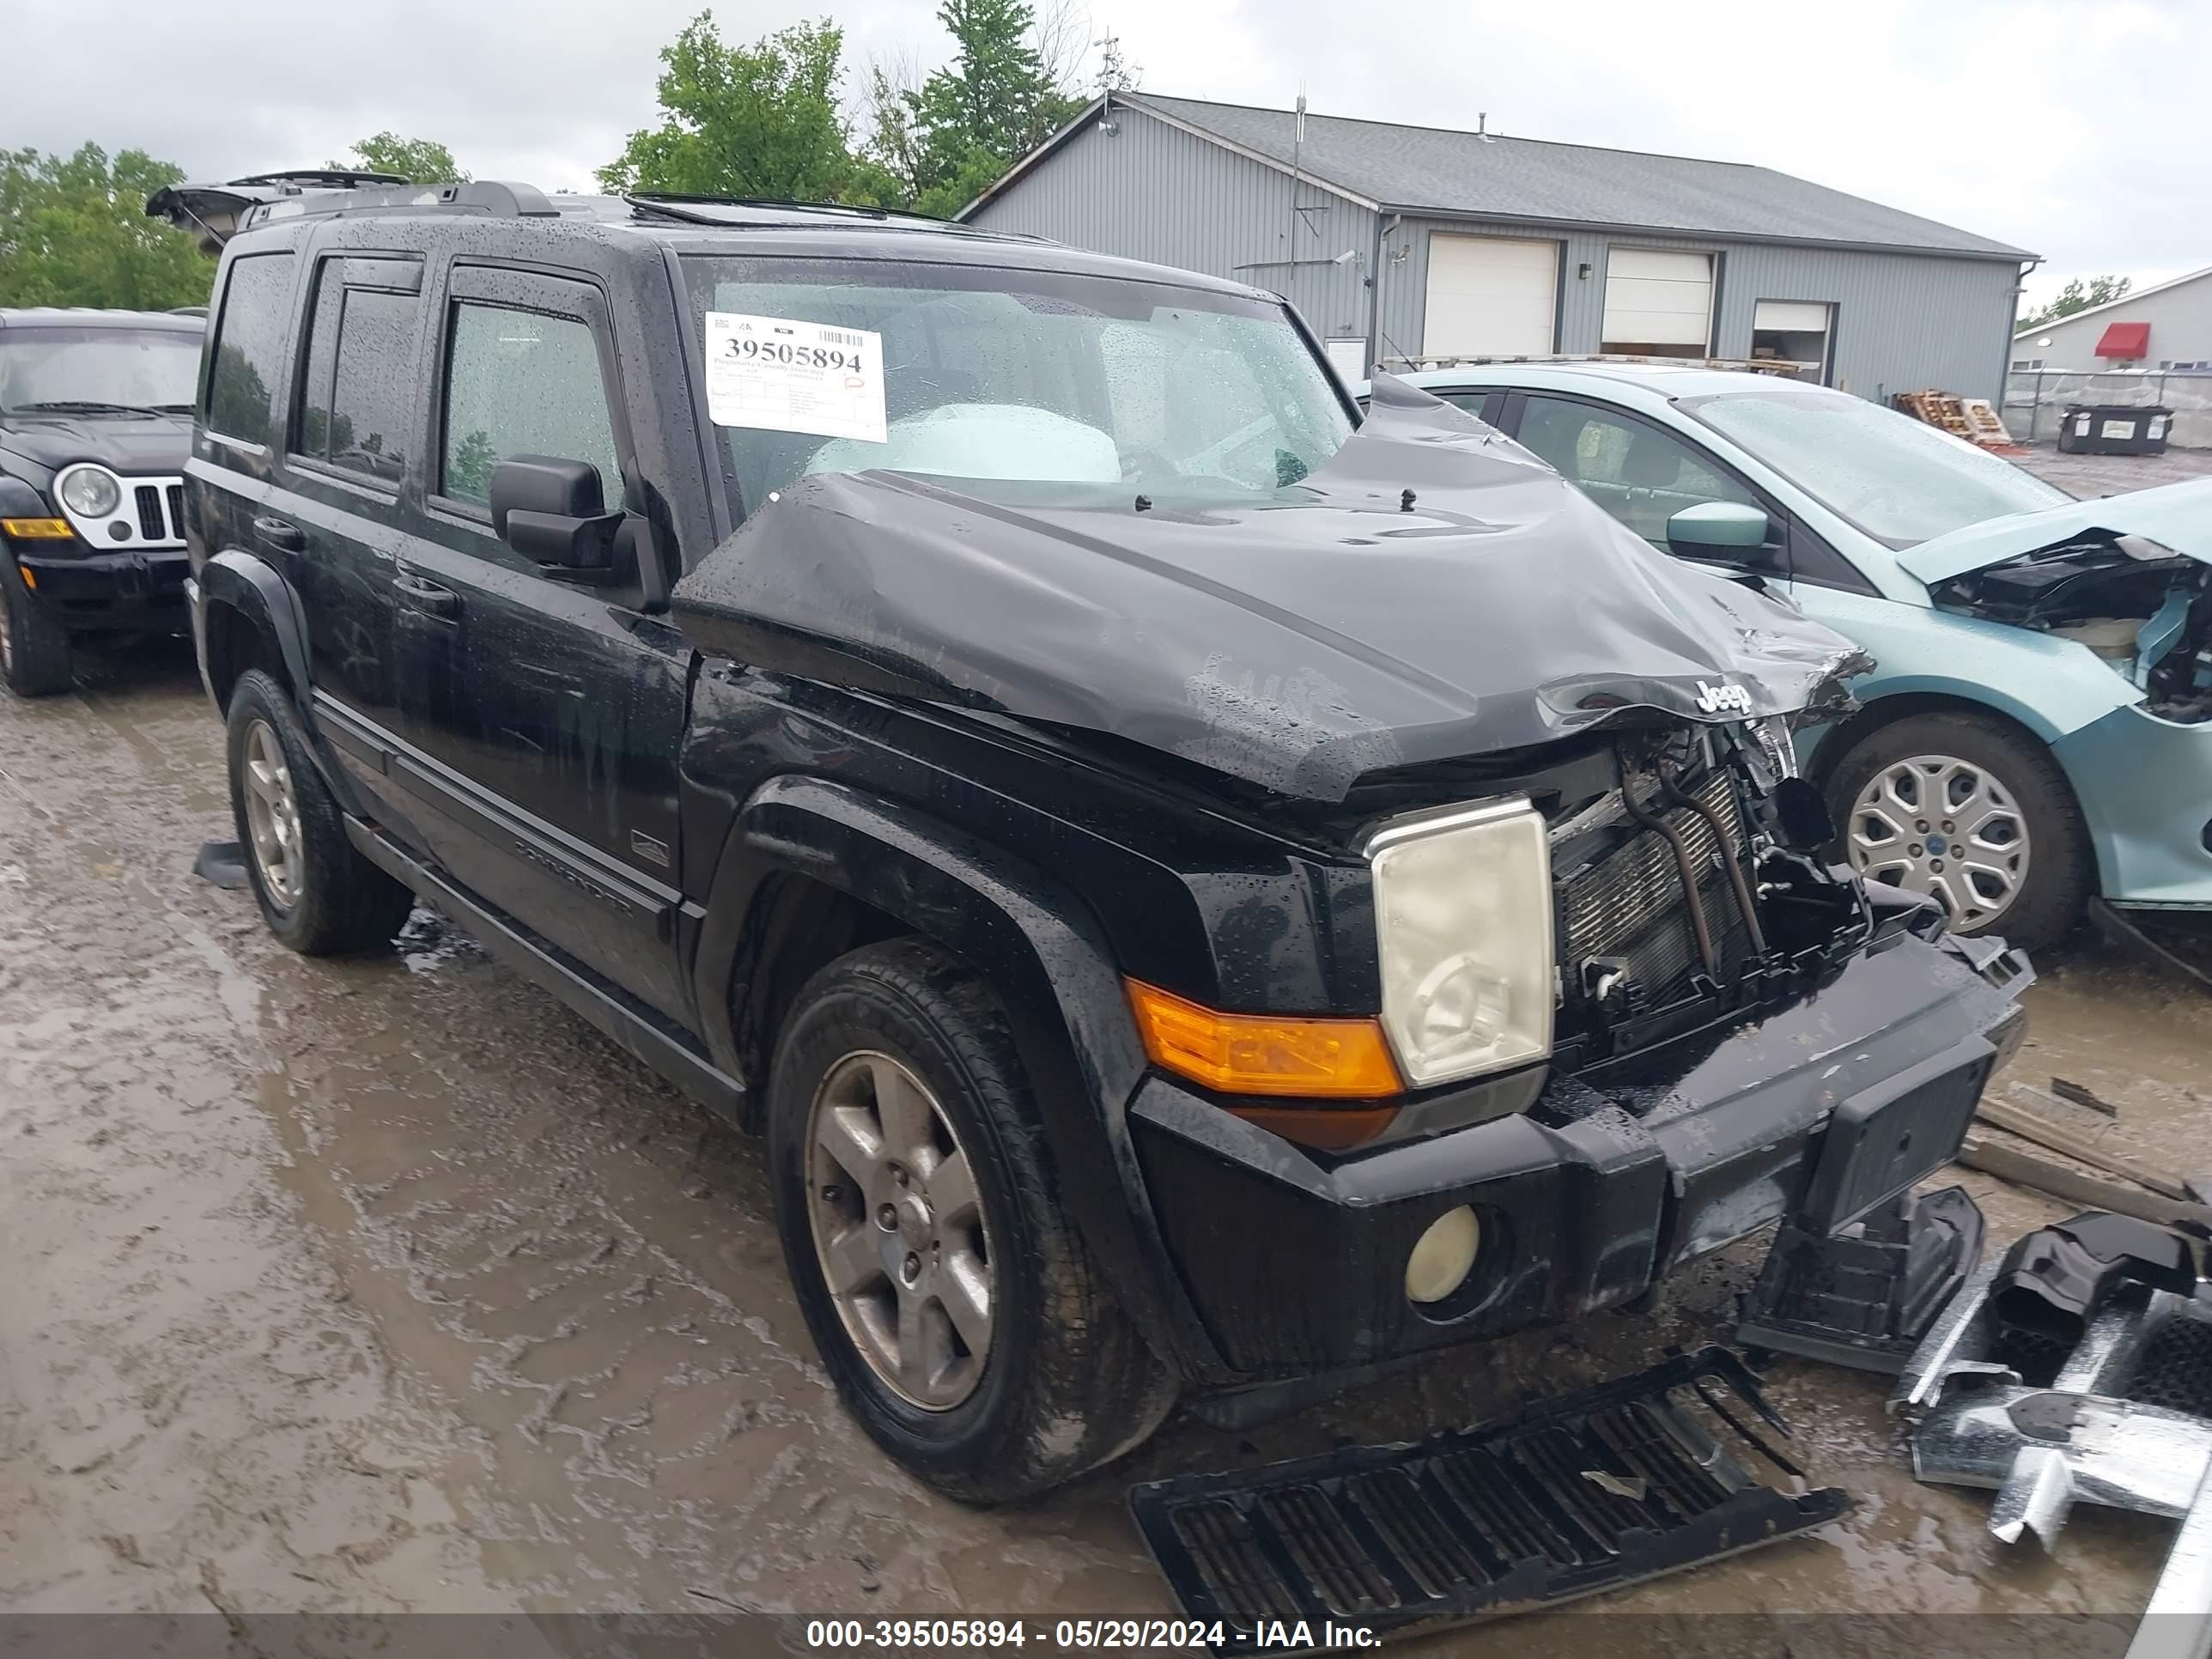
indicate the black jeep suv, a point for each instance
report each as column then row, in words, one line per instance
column 96, row 421
column 1200, row 897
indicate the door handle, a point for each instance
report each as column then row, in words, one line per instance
column 419, row 595
column 276, row 533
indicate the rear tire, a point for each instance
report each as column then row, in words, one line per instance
column 317, row 893
column 1063, row 1381
column 34, row 647
column 2029, row 872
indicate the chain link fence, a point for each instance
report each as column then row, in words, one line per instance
column 2036, row 400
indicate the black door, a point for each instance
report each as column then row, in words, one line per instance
column 337, row 528
column 540, row 718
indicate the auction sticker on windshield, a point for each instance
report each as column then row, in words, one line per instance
column 778, row 374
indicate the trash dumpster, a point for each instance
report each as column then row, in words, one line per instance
column 2113, row 429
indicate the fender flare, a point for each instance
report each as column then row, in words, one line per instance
column 1040, row 950
column 251, row 586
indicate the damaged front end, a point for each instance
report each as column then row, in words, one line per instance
column 2129, row 578
column 1650, row 1020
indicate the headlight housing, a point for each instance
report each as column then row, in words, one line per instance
column 1463, row 929
column 90, row 492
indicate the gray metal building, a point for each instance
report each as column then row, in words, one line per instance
column 1401, row 245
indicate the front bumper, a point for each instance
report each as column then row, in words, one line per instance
column 94, row 590
column 2145, row 785
column 1295, row 1261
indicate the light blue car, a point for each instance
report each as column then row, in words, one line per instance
column 2037, row 727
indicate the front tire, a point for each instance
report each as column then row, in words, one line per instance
column 961, row 1315
column 317, row 893
column 1970, row 812
column 34, row 647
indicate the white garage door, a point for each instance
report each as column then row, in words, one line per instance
column 1489, row 297
column 1657, row 297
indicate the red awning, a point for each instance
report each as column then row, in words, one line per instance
column 2126, row 340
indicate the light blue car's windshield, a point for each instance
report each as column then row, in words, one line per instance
column 1041, row 387
column 1897, row 479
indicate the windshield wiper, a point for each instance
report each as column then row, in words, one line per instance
column 94, row 406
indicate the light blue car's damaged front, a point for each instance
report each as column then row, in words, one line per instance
column 2124, row 702
column 2053, row 655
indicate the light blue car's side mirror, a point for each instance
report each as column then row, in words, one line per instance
column 1727, row 531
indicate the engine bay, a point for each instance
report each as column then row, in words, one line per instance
column 2145, row 612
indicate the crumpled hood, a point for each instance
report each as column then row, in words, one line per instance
column 145, row 445
column 1296, row 645
column 2178, row 516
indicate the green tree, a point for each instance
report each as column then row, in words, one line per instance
column 2078, row 295
column 1010, row 85
column 751, row 120
column 74, row 232
column 418, row 160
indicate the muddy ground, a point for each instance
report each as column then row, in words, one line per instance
column 386, row 1285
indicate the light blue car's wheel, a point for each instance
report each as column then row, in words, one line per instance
column 1946, row 829
column 1967, row 811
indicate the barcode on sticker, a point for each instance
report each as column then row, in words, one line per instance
column 839, row 336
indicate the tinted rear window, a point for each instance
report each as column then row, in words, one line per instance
column 357, row 409
column 249, row 347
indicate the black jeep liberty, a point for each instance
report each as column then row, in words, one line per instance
column 96, row 420
column 1202, row 898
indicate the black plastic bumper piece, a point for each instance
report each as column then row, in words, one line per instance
column 1864, row 1298
column 1621, row 1482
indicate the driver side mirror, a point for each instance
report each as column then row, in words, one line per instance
column 1727, row 533
column 551, row 510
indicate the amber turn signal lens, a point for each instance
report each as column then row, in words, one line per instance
column 1264, row 1053
column 36, row 530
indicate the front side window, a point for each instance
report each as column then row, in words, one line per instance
column 522, row 383
column 357, row 404
column 1896, row 478
column 75, row 370
column 1044, row 387
column 249, row 348
column 1638, row 473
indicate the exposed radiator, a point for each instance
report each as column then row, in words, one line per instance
column 1627, row 903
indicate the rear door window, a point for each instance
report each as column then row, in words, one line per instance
column 357, row 404
column 248, row 365
column 522, row 383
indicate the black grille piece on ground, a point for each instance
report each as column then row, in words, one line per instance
column 1629, row 903
column 150, row 525
column 1633, row 1478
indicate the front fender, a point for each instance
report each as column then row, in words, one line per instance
column 1040, row 950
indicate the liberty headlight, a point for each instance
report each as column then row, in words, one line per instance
column 1463, row 928
column 90, row 492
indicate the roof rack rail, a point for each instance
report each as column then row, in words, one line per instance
column 323, row 178
column 672, row 204
column 219, row 212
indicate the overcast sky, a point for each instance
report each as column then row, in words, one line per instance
column 2063, row 127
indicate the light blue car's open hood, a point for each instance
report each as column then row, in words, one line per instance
column 2177, row 516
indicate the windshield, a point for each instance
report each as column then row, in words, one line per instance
column 1038, row 387
column 1898, row 479
column 132, row 367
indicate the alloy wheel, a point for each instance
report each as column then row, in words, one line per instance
column 899, row 1229
column 272, row 814
column 1944, row 827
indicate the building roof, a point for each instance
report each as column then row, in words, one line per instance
column 1524, row 180
column 2127, row 299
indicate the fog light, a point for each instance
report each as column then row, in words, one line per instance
column 1443, row 1255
